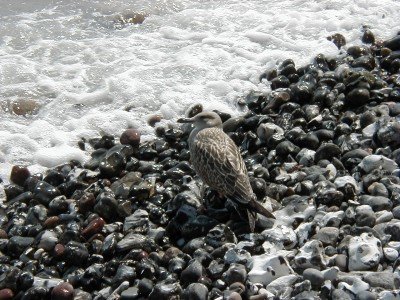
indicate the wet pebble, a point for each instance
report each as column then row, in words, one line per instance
column 165, row 291
column 6, row 294
column 328, row 235
column 19, row 174
column 195, row 291
column 193, row 272
column 63, row 291
column 130, row 137
column 314, row 276
column 76, row 253
column 130, row 293
column 385, row 280
column 18, row 244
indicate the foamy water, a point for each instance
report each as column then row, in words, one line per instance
column 90, row 75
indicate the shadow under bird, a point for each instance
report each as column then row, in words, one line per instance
column 217, row 160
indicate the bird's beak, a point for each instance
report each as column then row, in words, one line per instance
column 185, row 120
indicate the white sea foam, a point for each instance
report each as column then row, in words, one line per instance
column 90, row 78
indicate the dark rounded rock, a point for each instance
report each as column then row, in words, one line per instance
column 220, row 235
column 193, row 272
column 54, row 178
column 357, row 51
column 45, row 192
column 76, row 254
column 340, row 295
column 198, row 226
column 377, row 203
column 146, row 268
column 106, row 206
column 35, row 293
column 309, row 141
column 130, row 137
column 130, row 293
column 384, row 280
column 365, row 217
column 18, row 244
column 63, row 291
column 366, row 61
column 287, row 69
column 112, row 164
column 327, row 151
column 396, row 212
column 286, row 148
column 171, row 253
column 259, row 187
column 96, row 157
column 106, row 142
column 366, row 295
column 314, row 276
column 368, row 37
column 25, row 281
column 145, row 287
column 393, row 44
column 195, row 291
column 19, row 174
column 393, row 229
column 235, row 273
column 165, row 290
column 368, row 117
column 357, row 97
column 280, row 82
column 341, row 262
column 194, row 110
column 338, row 39
column 124, row 273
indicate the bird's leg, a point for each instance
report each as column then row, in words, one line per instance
column 203, row 198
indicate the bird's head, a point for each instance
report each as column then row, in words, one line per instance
column 206, row 119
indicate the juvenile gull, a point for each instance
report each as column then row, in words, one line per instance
column 217, row 160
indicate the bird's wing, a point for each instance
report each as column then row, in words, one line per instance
column 217, row 160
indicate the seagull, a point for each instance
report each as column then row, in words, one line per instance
column 218, row 162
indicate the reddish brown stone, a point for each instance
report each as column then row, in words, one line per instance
column 19, row 174
column 153, row 120
column 93, row 227
column 3, row 234
column 63, row 291
column 51, row 222
column 130, row 137
column 6, row 294
column 171, row 253
column 86, row 202
column 59, row 250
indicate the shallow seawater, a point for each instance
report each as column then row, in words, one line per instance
column 77, row 69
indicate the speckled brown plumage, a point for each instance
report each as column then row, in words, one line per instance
column 217, row 160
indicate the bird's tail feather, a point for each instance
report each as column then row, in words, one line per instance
column 252, row 215
column 259, row 208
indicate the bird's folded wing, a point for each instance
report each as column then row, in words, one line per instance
column 219, row 163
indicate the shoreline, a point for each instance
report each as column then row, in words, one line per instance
column 321, row 149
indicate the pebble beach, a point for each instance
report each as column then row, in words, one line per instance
column 321, row 149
